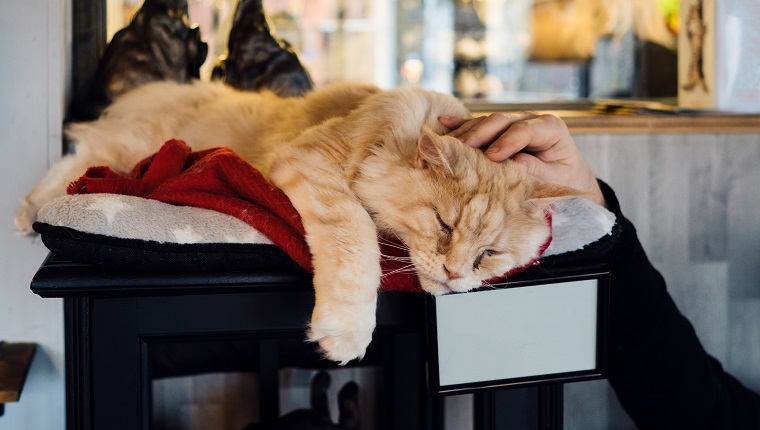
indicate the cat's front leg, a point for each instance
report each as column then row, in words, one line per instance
column 346, row 278
column 346, row 257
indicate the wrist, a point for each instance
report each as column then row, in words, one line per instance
column 595, row 194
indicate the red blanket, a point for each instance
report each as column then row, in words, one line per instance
column 220, row 180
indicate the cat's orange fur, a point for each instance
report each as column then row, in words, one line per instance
column 354, row 160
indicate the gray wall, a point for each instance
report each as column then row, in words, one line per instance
column 695, row 201
column 32, row 75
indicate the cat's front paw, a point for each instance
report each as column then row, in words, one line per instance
column 25, row 217
column 343, row 335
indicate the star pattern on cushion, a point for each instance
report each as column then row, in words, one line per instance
column 187, row 234
column 109, row 206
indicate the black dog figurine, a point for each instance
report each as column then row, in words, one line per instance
column 256, row 59
column 158, row 44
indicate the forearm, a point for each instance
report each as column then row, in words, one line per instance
column 661, row 373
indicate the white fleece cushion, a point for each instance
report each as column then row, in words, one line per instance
column 575, row 222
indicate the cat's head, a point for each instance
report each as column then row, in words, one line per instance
column 464, row 218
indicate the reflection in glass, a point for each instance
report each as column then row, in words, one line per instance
column 493, row 50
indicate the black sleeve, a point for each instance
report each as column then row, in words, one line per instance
column 660, row 372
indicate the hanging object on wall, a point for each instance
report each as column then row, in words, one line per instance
column 257, row 59
column 718, row 61
column 158, row 44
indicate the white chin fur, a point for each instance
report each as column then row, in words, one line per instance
column 438, row 288
column 432, row 286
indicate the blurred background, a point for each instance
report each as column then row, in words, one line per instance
column 496, row 51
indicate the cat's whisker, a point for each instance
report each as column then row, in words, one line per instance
column 405, row 269
column 398, row 244
column 393, row 245
column 396, row 235
column 399, row 259
column 395, row 258
column 488, row 286
column 398, row 239
column 494, row 286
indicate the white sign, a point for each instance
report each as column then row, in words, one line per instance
column 517, row 332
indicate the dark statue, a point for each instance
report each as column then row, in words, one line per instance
column 256, row 59
column 158, row 44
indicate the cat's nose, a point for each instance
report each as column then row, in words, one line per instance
column 450, row 274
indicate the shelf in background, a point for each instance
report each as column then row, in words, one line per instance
column 15, row 360
column 631, row 117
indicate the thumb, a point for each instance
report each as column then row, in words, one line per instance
column 534, row 166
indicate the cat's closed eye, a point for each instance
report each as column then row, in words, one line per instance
column 482, row 255
column 445, row 228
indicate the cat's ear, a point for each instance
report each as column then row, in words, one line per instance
column 433, row 150
column 544, row 194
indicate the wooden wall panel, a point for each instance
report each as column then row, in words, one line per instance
column 695, row 201
column 743, row 341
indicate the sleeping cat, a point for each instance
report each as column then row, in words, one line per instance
column 354, row 161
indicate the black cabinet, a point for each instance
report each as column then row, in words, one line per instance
column 118, row 325
column 124, row 328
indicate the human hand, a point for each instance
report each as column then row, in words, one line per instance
column 541, row 142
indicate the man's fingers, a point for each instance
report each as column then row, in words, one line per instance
column 533, row 135
column 463, row 127
column 507, row 134
column 492, row 126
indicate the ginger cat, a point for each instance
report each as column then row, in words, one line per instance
column 354, row 161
